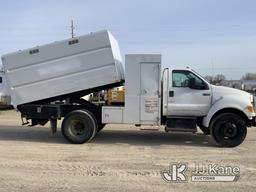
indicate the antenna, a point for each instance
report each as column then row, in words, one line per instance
column 72, row 29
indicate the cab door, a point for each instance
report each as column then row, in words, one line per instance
column 184, row 100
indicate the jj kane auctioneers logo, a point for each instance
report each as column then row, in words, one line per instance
column 178, row 172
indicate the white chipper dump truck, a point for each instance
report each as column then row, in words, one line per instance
column 179, row 99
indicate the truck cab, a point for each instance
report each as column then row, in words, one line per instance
column 189, row 100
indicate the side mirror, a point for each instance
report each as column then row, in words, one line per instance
column 191, row 83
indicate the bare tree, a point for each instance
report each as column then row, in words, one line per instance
column 216, row 80
column 209, row 78
column 249, row 76
column 219, row 78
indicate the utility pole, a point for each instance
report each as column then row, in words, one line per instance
column 72, row 29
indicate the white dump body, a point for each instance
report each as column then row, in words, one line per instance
column 63, row 67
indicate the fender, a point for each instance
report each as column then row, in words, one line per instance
column 229, row 101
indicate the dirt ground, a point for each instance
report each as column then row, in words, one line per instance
column 120, row 158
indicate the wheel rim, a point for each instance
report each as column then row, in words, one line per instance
column 77, row 127
column 229, row 130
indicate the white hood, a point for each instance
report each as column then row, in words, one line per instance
column 220, row 91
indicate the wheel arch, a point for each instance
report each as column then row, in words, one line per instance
column 86, row 105
column 208, row 120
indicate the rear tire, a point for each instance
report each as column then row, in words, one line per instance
column 79, row 126
column 228, row 130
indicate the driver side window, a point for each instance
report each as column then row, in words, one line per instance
column 179, row 79
column 182, row 78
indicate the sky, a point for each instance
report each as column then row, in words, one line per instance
column 210, row 36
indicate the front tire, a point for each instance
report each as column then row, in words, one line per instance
column 79, row 126
column 228, row 130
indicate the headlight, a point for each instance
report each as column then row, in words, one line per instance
column 250, row 109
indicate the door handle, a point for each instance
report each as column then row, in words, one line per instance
column 206, row 94
column 171, row 93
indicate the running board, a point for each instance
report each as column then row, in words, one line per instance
column 181, row 124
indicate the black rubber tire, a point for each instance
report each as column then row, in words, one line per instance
column 79, row 126
column 228, row 130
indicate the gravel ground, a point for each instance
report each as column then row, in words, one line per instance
column 120, row 158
